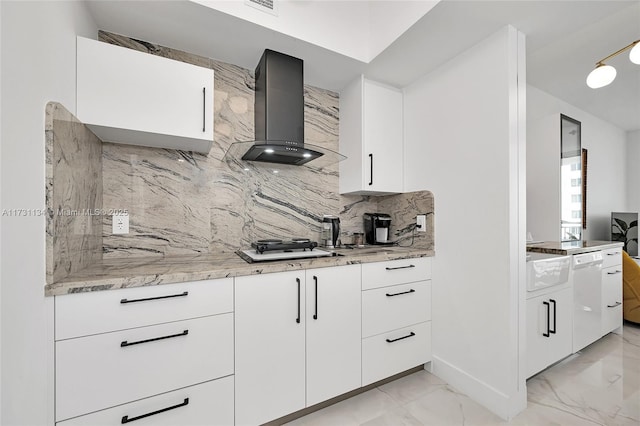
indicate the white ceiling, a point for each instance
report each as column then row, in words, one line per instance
column 564, row 40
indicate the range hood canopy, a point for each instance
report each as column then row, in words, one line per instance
column 279, row 117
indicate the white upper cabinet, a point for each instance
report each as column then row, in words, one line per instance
column 136, row 98
column 371, row 137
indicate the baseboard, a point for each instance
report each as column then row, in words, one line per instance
column 484, row 394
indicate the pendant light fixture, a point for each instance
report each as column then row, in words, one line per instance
column 604, row 74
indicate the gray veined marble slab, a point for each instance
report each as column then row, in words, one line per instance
column 73, row 193
column 570, row 247
column 137, row 272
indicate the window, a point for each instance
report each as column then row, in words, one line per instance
column 576, row 198
column 576, row 182
column 576, row 166
column 576, row 214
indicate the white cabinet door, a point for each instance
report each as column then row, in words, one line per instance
column 549, row 329
column 611, row 299
column 269, row 346
column 126, row 96
column 383, row 163
column 371, row 136
column 333, row 332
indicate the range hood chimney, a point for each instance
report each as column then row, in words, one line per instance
column 279, row 116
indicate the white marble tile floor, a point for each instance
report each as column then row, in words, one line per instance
column 599, row 385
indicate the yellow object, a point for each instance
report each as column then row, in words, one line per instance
column 630, row 289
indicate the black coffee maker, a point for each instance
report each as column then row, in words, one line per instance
column 377, row 228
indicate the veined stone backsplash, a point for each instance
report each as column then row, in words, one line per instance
column 73, row 194
column 184, row 203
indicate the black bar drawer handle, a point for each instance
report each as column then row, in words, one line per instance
column 398, row 294
column 126, row 419
column 614, row 273
column 401, row 338
column 548, row 318
column 125, row 343
column 554, row 317
column 315, row 316
column 400, row 267
column 204, row 102
column 613, row 254
column 614, row 305
column 371, row 165
column 298, row 319
column 186, row 293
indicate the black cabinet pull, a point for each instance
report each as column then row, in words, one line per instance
column 401, row 338
column 398, row 294
column 548, row 318
column 400, row 267
column 125, row 343
column 614, row 273
column 371, row 166
column 554, row 317
column 315, row 316
column 614, row 305
column 186, row 293
column 126, row 419
column 204, row 102
column 298, row 319
column 613, row 254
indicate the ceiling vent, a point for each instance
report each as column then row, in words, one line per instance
column 268, row 6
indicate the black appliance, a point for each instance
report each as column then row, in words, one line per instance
column 377, row 228
column 262, row 246
column 279, row 112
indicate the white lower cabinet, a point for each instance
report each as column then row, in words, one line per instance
column 333, row 332
column 394, row 352
column 269, row 346
column 100, row 371
column 611, row 298
column 396, row 317
column 161, row 355
column 297, row 334
column 206, row 404
column 549, row 329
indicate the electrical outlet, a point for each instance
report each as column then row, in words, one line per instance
column 421, row 222
column 120, row 223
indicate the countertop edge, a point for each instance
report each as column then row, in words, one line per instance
column 151, row 279
column 572, row 251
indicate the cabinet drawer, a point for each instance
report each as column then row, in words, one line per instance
column 100, row 312
column 387, row 354
column 382, row 274
column 389, row 308
column 97, row 372
column 611, row 257
column 209, row 403
column 611, row 298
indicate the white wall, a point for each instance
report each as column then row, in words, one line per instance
column 464, row 141
column 357, row 29
column 38, row 65
column 606, row 172
column 633, row 171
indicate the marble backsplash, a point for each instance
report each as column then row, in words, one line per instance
column 185, row 203
column 73, row 194
column 182, row 202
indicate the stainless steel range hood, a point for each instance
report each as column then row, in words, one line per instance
column 279, row 117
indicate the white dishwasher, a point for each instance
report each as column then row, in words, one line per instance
column 587, row 295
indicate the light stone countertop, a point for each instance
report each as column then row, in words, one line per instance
column 113, row 274
column 571, row 247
